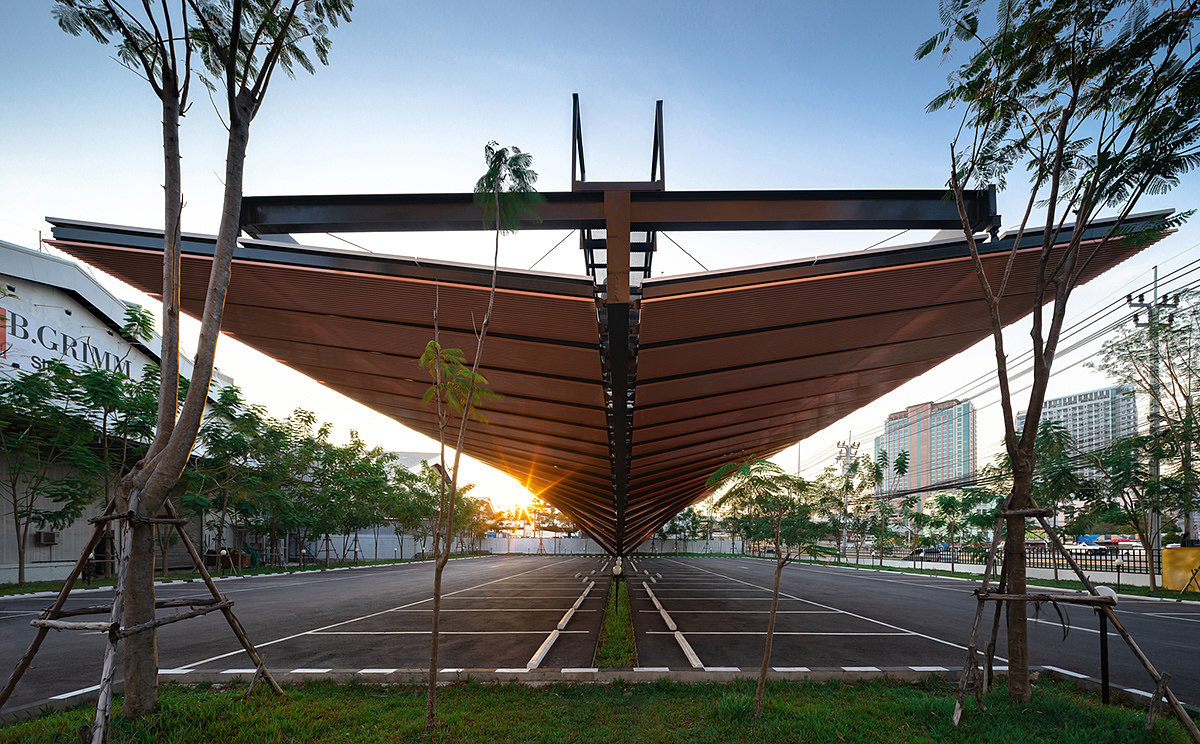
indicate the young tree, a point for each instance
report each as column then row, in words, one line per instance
column 506, row 194
column 1098, row 100
column 763, row 489
column 52, row 472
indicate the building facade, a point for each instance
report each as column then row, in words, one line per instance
column 940, row 441
column 50, row 309
column 1094, row 418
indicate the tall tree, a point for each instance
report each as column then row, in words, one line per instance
column 506, row 193
column 242, row 43
column 1161, row 360
column 1100, row 101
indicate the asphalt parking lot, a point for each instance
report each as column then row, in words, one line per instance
column 511, row 614
column 865, row 620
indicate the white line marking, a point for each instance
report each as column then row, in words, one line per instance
column 376, row 671
column 441, row 632
column 860, row 669
column 778, row 633
column 1060, row 670
column 1044, row 621
column 238, row 671
column 722, row 669
column 790, row 669
column 1187, row 617
column 1143, row 693
column 571, row 612
column 851, row 614
column 651, row 669
column 304, row 670
column 175, row 671
column 750, row 612
column 66, row 695
column 373, row 614
column 452, row 670
column 928, row 669
column 511, row 670
column 577, row 670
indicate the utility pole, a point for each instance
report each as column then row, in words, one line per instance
column 1153, row 308
column 847, row 451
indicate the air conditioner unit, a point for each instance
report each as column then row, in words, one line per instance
column 45, row 538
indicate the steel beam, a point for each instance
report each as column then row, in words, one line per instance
column 649, row 210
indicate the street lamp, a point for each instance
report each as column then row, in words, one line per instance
column 1118, row 563
column 224, row 553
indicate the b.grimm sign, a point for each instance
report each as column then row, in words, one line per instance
column 28, row 341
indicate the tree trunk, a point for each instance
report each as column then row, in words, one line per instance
column 141, row 649
column 159, row 474
column 766, row 661
column 21, row 535
column 1014, row 565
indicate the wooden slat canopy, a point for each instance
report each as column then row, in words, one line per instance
column 730, row 364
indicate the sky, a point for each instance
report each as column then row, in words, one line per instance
column 757, row 95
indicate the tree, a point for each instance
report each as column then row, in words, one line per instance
column 1098, row 100
column 52, row 472
column 874, row 475
column 1161, row 360
column 506, row 193
column 951, row 513
column 241, row 43
column 686, row 525
column 762, row 489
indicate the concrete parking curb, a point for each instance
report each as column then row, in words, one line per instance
column 1139, row 597
column 172, row 582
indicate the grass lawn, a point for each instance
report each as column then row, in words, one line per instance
column 617, row 648
column 654, row 712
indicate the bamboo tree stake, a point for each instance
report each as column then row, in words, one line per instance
column 54, row 609
column 234, row 624
column 971, row 672
column 1160, row 679
column 104, row 702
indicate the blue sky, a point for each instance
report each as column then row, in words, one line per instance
column 758, row 95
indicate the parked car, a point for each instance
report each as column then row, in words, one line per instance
column 1086, row 548
column 924, row 554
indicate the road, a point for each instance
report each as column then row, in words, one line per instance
column 501, row 611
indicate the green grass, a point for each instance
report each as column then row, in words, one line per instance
column 660, row 712
column 617, row 648
column 53, row 586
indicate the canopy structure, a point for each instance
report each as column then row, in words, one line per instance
column 620, row 394
column 729, row 364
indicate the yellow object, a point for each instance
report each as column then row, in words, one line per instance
column 1177, row 567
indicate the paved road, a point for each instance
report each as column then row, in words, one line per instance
column 501, row 610
column 831, row 617
column 497, row 612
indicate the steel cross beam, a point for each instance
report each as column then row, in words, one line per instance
column 648, row 211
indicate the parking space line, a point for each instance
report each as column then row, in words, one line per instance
column 427, row 632
column 365, row 617
column 778, row 633
column 72, row 693
column 376, row 671
column 851, row 614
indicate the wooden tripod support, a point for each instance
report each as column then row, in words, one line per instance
column 51, row 617
column 973, row 678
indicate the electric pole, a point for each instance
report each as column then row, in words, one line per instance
column 847, row 451
column 1153, row 308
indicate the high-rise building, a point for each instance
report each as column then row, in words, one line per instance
column 939, row 439
column 1095, row 418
